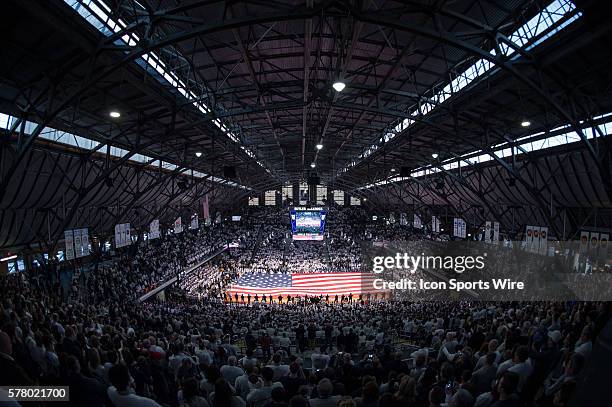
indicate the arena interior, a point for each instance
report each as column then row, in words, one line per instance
column 305, row 203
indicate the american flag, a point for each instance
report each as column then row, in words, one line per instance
column 301, row 284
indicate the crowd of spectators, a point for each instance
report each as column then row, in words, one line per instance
column 189, row 347
column 203, row 352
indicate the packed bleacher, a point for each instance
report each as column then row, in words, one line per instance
column 187, row 351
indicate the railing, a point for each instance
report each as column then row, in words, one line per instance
column 173, row 280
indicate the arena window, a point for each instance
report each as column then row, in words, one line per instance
column 551, row 20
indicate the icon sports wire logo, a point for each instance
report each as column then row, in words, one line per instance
column 404, row 261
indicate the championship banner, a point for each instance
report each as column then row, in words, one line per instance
column 178, row 226
column 496, row 232
column 418, row 224
column 455, row 227
column 543, row 244
column 69, row 238
column 392, row 217
column 584, row 241
column 218, row 218
column 487, row 233
column 194, row 221
column 154, row 229
column 403, row 219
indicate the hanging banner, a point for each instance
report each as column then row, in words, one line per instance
column 218, row 218
column 69, row 238
column 543, row 244
column 603, row 247
column 528, row 237
column 403, row 219
column 84, row 242
column 593, row 241
column 495, row 232
column 119, row 235
column 487, row 232
column 154, row 229
column 194, row 221
column 128, row 236
column 78, row 249
column 391, row 217
column 435, row 224
column 206, row 208
column 584, row 241
column 459, row 228
column 418, row 224
column 122, row 235
column 603, row 242
column 178, row 225
column 535, row 242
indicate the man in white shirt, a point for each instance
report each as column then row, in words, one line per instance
column 584, row 344
column 242, row 385
column 278, row 367
column 261, row 396
column 522, row 367
column 230, row 371
column 325, row 389
column 120, row 393
column 319, row 358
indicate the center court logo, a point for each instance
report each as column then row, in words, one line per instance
column 404, row 261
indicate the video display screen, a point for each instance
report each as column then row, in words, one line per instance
column 308, row 223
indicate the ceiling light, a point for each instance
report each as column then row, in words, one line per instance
column 392, row 169
column 319, row 146
column 114, row 114
column 365, row 199
column 312, row 165
column 435, row 155
column 339, row 86
column 525, row 123
column 199, row 154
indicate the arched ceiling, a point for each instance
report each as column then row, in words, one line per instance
column 248, row 84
